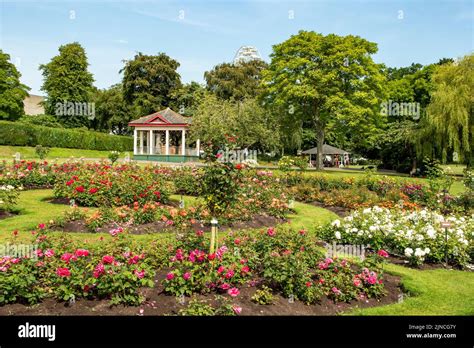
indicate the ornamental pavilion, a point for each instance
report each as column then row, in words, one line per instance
column 161, row 136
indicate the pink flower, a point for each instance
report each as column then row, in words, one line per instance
column 186, row 276
column 68, row 257
column 225, row 286
column 199, row 233
column 49, row 253
column 41, row 226
column 39, row 252
column 245, row 269
column 382, row 253
column 39, row 264
column 229, row 274
column 169, row 276
column 302, row 232
column 114, row 232
column 63, row 272
column 140, row 274
column 356, row 282
column 237, row 309
column 372, row 280
column 82, row 252
column 211, row 257
column 99, row 270
column 233, row 292
column 220, row 269
column 271, row 232
column 107, row 259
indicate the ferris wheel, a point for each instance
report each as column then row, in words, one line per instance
column 246, row 54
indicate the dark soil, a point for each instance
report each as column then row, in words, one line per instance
column 339, row 211
column 158, row 303
column 397, row 260
column 160, row 226
column 58, row 200
column 6, row 214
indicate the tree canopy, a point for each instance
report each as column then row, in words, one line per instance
column 330, row 81
column 12, row 91
column 148, row 82
column 235, row 81
column 66, row 79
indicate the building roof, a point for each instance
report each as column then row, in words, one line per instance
column 32, row 105
column 327, row 150
column 166, row 117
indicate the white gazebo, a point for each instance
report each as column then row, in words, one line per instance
column 161, row 136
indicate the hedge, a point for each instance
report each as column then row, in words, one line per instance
column 21, row 134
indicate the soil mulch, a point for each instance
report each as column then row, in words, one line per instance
column 256, row 221
column 397, row 260
column 339, row 211
column 58, row 200
column 158, row 303
column 6, row 214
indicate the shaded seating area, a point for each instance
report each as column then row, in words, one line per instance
column 333, row 157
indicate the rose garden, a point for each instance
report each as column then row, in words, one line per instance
column 136, row 239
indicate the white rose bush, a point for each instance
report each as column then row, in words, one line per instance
column 416, row 235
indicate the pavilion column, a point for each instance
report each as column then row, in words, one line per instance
column 167, row 143
column 151, row 142
column 141, row 142
column 183, row 142
column 198, row 147
column 135, row 140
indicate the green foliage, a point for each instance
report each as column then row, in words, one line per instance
column 263, row 296
column 21, row 134
column 112, row 112
column 186, row 99
column 66, row 79
column 450, row 111
column 12, row 91
column 42, row 151
column 41, row 120
column 328, row 82
column 215, row 120
column 113, row 156
column 8, row 197
column 148, row 82
column 235, row 81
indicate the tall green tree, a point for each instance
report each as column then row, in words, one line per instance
column 450, row 112
column 326, row 80
column 148, row 82
column 112, row 113
column 12, row 91
column 67, row 82
column 235, row 81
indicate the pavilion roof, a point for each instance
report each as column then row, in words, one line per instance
column 162, row 118
column 327, row 150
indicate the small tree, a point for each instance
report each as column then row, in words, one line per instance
column 113, row 156
column 42, row 151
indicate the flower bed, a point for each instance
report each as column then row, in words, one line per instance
column 418, row 235
column 100, row 184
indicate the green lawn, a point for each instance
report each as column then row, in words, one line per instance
column 430, row 292
column 7, row 152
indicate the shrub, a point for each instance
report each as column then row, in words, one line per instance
column 114, row 156
column 263, row 296
column 8, row 197
column 23, row 134
column 42, row 151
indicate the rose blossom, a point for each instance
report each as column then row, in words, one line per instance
column 237, row 309
column 140, row 274
column 382, row 253
column 63, row 272
column 82, row 252
column 233, row 292
column 186, row 276
column 107, row 259
column 49, row 253
column 271, row 232
column 169, row 276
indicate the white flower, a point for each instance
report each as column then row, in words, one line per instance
column 427, row 250
column 338, row 235
column 408, row 252
column 336, row 223
column 419, row 252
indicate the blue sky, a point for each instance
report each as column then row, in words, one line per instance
column 201, row 34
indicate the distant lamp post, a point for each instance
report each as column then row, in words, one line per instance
column 213, row 235
column 181, row 203
column 446, row 225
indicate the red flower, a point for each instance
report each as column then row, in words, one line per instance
column 239, row 166
column 233, row 292
column 93, row 190
column 107, row 259
column 82, row 252
column 211, row 256
column 80, row 189
column 70, row 182
column 382, row 253
column 63, row 272
column 308, row 284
